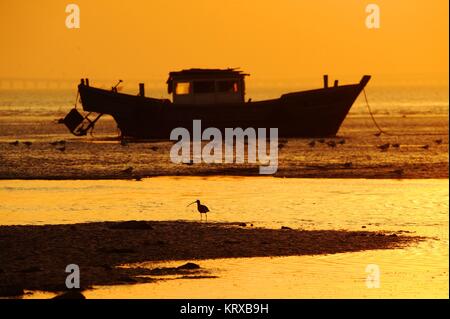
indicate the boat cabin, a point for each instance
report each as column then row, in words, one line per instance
column 207, row 86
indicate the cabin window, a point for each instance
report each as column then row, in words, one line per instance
column 204, row 87
column 227, row 86
column 182, row 88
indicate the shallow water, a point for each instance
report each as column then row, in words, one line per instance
column 416, row 206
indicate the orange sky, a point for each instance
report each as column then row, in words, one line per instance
column 282, row 39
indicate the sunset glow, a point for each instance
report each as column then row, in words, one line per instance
column 270, row 39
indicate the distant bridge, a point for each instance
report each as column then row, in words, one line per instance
column 56, row 83
column 37, row 83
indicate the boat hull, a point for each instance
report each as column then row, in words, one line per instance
column 313, row 113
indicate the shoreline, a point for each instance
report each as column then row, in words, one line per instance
column 329, row 171
column 35, row 257
column 386, row 175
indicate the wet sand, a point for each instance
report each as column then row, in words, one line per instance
column 35, row 257
column 418, row 148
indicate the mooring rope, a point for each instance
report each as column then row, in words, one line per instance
column 76, row 100
column 380, row 130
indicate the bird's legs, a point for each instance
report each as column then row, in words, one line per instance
column 206, row 216
column 201, row 217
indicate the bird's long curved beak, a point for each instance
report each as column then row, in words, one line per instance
column 191, row 203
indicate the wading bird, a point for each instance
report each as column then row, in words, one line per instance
column 61, row 148
column 202, row 209
column 62, row 142
column 384, row 147
column 331, row 143
column 128, row 170
column 348, row 164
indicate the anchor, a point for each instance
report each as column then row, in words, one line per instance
column 77, row 123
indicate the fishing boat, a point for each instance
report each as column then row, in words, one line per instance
column 217, row 98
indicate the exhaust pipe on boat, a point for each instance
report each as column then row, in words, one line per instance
column 141, row 89
column 325, row 81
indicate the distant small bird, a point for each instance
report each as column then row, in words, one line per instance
column 128, row 170
column 282, row 143
column 312, row 143
column 202, row 209
column 439, row 141
column 396, row 145
column 15, row 143
column 342, row 141
column 191, row 162
column 27, row 143
column 331, row 143
column 378, row 134
column 61, row 149
column 154, row 148
column 348, row 164
column 425, row 147
column 61, row 142
column 384, row 147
